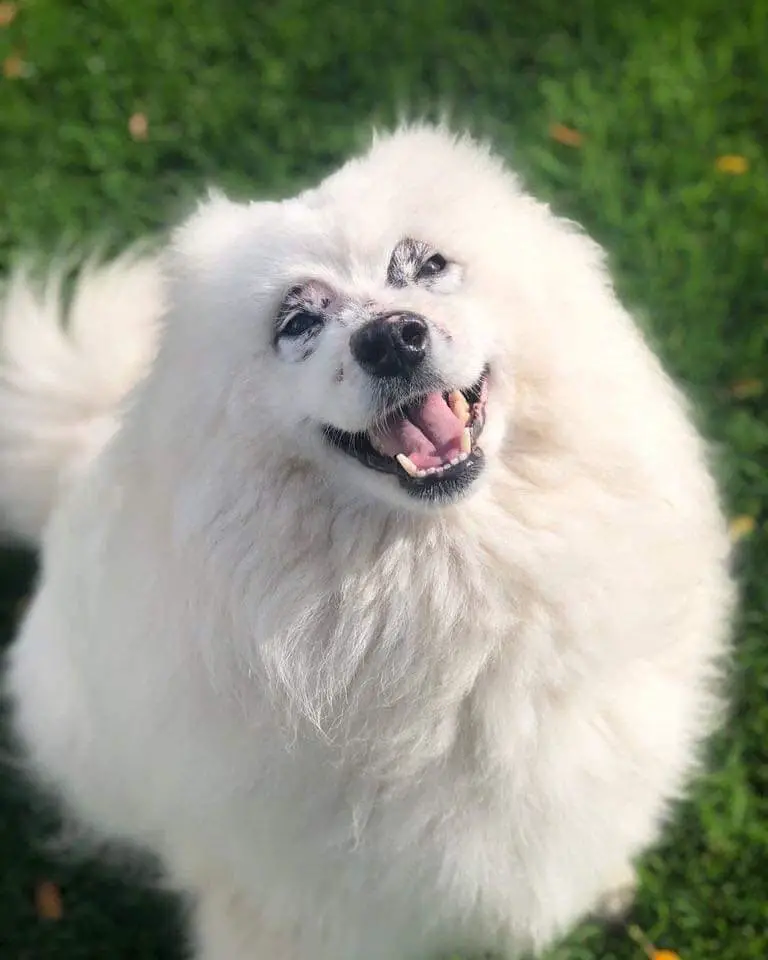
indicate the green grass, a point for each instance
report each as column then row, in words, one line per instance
column 259, row 97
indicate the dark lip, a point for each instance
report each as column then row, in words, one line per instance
column 445, row 486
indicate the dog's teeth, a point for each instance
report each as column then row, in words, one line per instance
column 462, row 457
column 458, row 403
column 466, row 441
column 455, row 461
column 431, row 470
column 408, row 465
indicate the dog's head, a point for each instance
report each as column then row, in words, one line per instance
column 366, row 325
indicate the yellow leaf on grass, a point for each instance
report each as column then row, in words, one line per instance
column 7, row 14
column 732, row 163
column 565, row 135
column 741, row 527
column 138, row 127
column 48, row 901
column 13, row 67
column 744, row 389
column 648, row 948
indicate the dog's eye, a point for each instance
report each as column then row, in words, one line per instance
column 300, row 322
column 432, row 267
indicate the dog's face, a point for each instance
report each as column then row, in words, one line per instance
column 367, row 323
column 395, row 389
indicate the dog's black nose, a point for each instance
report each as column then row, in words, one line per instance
column 391, row 346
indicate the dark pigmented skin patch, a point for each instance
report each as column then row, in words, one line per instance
column 313, row 298
column 405, row 262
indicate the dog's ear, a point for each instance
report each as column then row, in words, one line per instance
column 210, row 257
column 212, row 230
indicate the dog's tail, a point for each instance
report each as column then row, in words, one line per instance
column 66, row 363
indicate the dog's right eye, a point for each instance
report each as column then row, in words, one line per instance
column 299, row 323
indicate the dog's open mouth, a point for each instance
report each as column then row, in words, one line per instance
column 430, row 444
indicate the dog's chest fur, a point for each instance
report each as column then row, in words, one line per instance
column 400, row 705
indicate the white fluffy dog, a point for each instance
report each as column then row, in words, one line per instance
column 384, row 582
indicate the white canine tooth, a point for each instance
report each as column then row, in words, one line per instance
column 458, row 403
column 408, row 465
column 466, row 441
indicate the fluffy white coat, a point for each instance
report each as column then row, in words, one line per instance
column 352, row 727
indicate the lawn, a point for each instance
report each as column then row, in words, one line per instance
column 646, row 122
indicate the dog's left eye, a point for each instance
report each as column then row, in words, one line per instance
column 432, row 267
column 300, row 322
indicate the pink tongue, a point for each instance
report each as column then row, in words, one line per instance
column 430, row 434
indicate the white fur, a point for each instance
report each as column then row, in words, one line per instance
column 351, row 726
column 62, row 378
